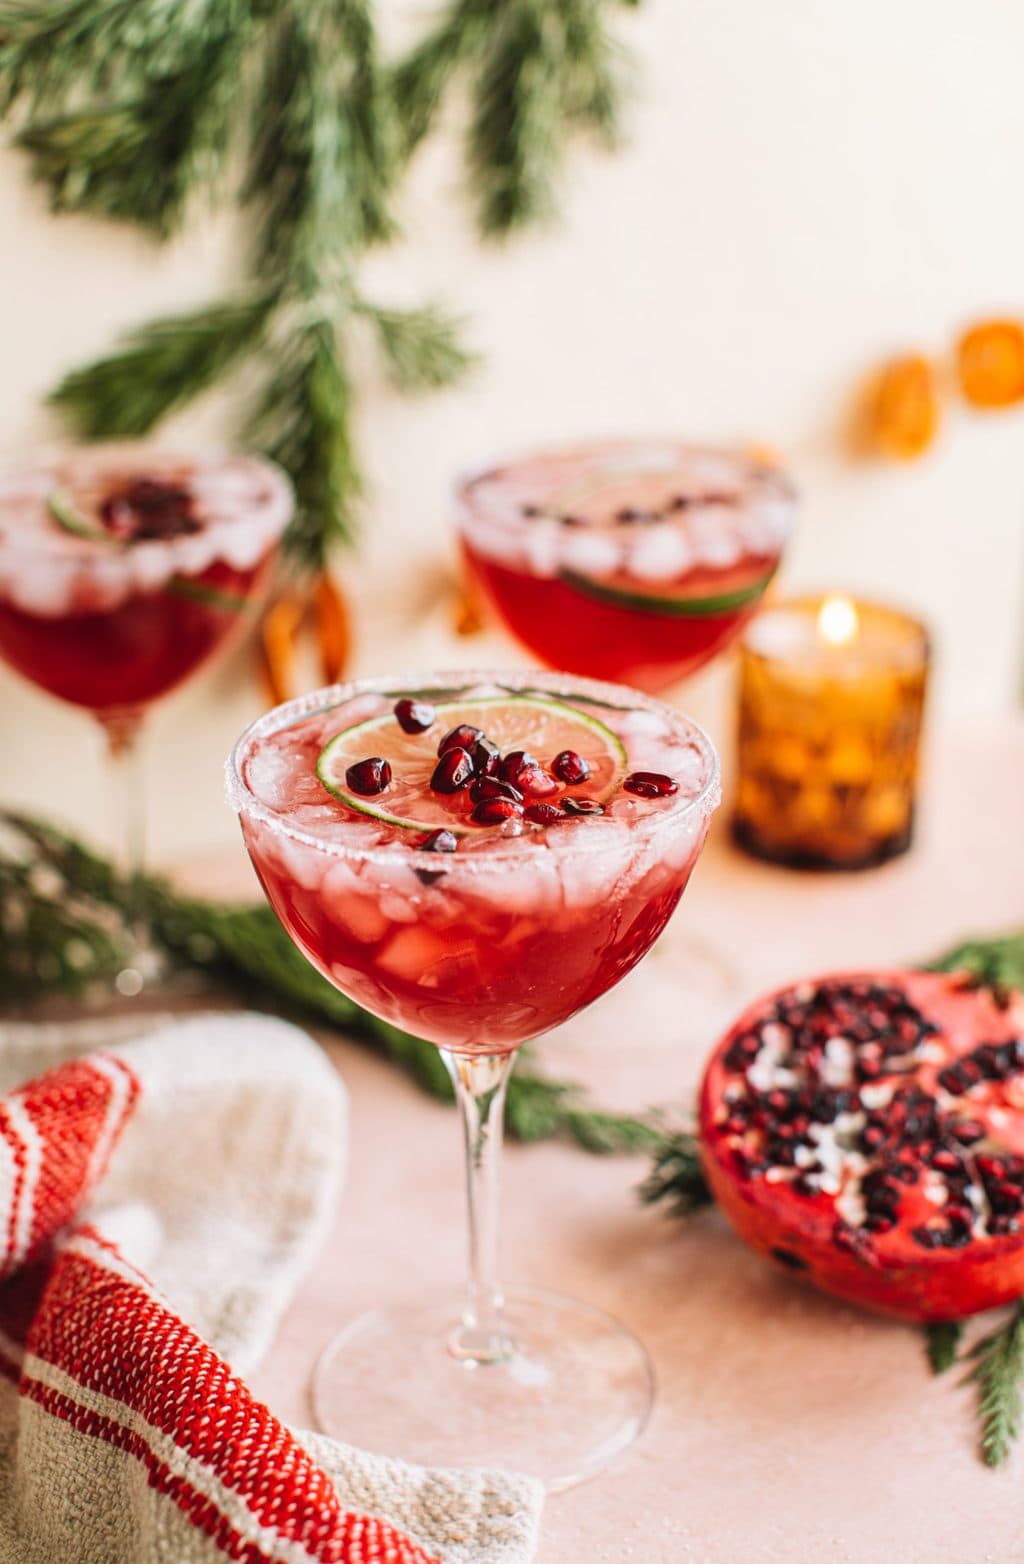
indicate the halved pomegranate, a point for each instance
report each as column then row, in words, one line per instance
column 867, row 1131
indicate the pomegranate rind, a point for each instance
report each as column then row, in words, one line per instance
column 543, row 728
column 889, row 1272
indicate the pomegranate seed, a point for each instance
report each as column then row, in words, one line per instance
column 370, row 776
column 582, row 806
column 463, row 737
column 879, row 1223
column 543, row 814
column 514, row 762
column 414, row 716
column 967, row 1131
column 570, row 768
column 453, row 771
column 492, row 811
column 493, row 787
column 1004, row 1197
column 441, row 841
column 946, row 1161
column 486, row 757
column 534, row 782
column 650, row 784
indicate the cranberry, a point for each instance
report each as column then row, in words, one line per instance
column 486, row 757
column 650, row 784
column 414, row 716
column 453, row 771
column 462, row 737
column 493, row 787
column 543, row 814
column 535, row 782
column 492, row 811
column 441, row 841
column 582, row 806
column 570, row 768
column 368, row 777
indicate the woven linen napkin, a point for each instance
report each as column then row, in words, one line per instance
column 160, row 1198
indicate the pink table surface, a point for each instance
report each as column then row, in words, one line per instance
column 787, row 1427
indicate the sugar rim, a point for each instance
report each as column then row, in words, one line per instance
column 245, row 802
column 770, row 482
column 273, row 515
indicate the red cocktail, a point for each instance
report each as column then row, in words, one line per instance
column 124, row 569
column 476, row 861
column 626, row 560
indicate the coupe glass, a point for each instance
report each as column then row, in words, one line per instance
column 630, row 560
column 124, row 569
column 476, row 950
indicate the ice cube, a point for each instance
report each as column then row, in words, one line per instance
column 590, row 553
column 662, row 554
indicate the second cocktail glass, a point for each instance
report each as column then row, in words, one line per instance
column 631, row 560
column 476, row 857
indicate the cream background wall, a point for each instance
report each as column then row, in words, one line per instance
column 805, row 187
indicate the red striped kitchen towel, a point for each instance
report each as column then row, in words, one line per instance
column 159, row 1200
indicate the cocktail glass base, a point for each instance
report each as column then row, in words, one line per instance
column 573, row 1390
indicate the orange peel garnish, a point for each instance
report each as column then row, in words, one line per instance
column 990, row 363
column 905, row 410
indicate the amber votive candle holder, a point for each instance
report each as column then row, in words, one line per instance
column 831, row 700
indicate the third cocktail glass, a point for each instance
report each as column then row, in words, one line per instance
column 476, row 857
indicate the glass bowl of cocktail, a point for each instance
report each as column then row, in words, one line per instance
column 630, row 560
column 123, row 570
column 475, row 857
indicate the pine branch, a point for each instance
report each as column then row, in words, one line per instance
column 677, row 1177
column 161, row 366
column 302, row 419
column 942, row 1344
column 419, row 81
column 537, row 72
column 539, row 1107
column 420, row 347
column 998, row 1372
column 321, row 163
column 997, row 963
column 138, row 145
column 50, row 49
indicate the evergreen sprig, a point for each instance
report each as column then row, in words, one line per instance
column 131, row 109
column 998, row 1373
column 676, row 1178
column 535, row 74
column 997, row 963
column 942, row 1344
column 168, row 362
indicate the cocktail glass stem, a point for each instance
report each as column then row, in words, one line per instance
column 126, row 803
column 126, row 796
column 480, row 1081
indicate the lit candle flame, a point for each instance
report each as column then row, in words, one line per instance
column 838, row 621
